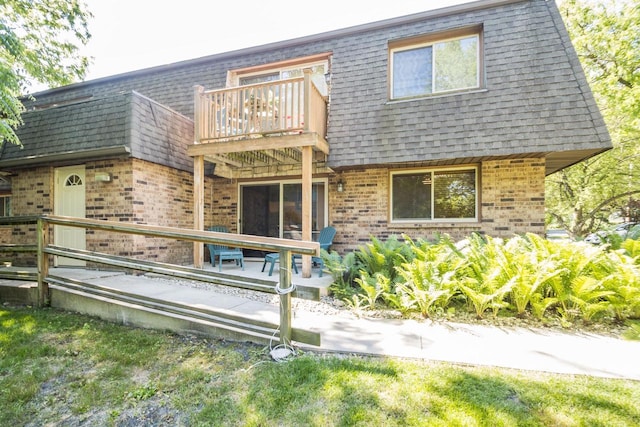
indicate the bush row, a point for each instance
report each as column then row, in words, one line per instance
column 524, row 275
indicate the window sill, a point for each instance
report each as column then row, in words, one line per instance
column 438, row 225
column 435, row 96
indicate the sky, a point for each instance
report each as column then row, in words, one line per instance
column 129, row 35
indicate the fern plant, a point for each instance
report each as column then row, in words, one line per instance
column 530, row 265
column 589, row 296
column 427, row 284
column 624, row 284
column 483, row 280
column 373, row 288
column 483, row 298
column 384, row 257
column 343, row 270
column 632, row 248
column 578, row 262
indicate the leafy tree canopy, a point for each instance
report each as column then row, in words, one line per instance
column 606, row 36
column 39, row 41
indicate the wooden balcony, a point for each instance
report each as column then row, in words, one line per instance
column 247, row 130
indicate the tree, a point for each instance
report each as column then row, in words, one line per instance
column 39, row 41
column 606, row 36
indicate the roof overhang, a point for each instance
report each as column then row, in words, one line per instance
column 559, row 160
column 66, row 157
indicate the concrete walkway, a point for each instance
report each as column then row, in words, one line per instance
column 518, row 348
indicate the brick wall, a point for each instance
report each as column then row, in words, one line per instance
column 139, row 192
column 513, row 197
column 221, row 204
column 512, row 202
column 32, row 194
column 111, row 201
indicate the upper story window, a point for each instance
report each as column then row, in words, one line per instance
column 438, row 194
column 319, row 65
column 430, row 65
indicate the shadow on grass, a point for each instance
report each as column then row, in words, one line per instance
column 55, row 365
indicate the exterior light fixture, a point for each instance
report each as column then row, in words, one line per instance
column 102, row 177
column 340, row 186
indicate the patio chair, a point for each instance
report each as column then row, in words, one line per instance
column 223, row 252
column 272, row 258
column 325, row 238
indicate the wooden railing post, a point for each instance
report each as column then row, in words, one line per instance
column 284, row 289
column 307, row 98
column 199, row 116
column 43, row 262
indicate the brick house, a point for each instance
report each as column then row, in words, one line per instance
column 445, row 121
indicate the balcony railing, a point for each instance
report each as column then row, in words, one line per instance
column 280, row 107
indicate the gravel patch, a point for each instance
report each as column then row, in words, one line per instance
column 333, row 307
column 327, row 305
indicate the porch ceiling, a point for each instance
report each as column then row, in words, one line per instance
column 263, row 156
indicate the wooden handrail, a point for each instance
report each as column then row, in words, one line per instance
column 270, row 244
column 284, row 247
column 19, row 220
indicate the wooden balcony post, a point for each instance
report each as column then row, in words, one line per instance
column 198, row 208
column 307, row 188
column 199, row 118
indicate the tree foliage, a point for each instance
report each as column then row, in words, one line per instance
column 39, row 41
column 606, row 36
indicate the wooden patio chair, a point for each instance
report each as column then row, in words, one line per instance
column 223, row 252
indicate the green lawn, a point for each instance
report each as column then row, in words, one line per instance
column 67, row 369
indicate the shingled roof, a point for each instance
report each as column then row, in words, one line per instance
column 535, row 100
column 121, row 125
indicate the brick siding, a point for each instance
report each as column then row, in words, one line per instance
column 139, row 192
column 32, row 194
column 512, row 202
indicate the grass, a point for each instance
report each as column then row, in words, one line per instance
column 59, row 368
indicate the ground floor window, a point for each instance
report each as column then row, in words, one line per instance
column 5, row 196
column 438, row 194
column 5, row 206
column 274, row 209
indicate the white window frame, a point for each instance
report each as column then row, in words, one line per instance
column 426, row 41
column 234, row 76
column 5, row 199
column 395, row 173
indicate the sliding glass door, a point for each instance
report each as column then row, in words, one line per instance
column 275, row 209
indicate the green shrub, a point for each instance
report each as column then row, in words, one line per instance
column 376, row 259
column 384, row 257
column 430, row 280
column 524, row 274
column 343, row 270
